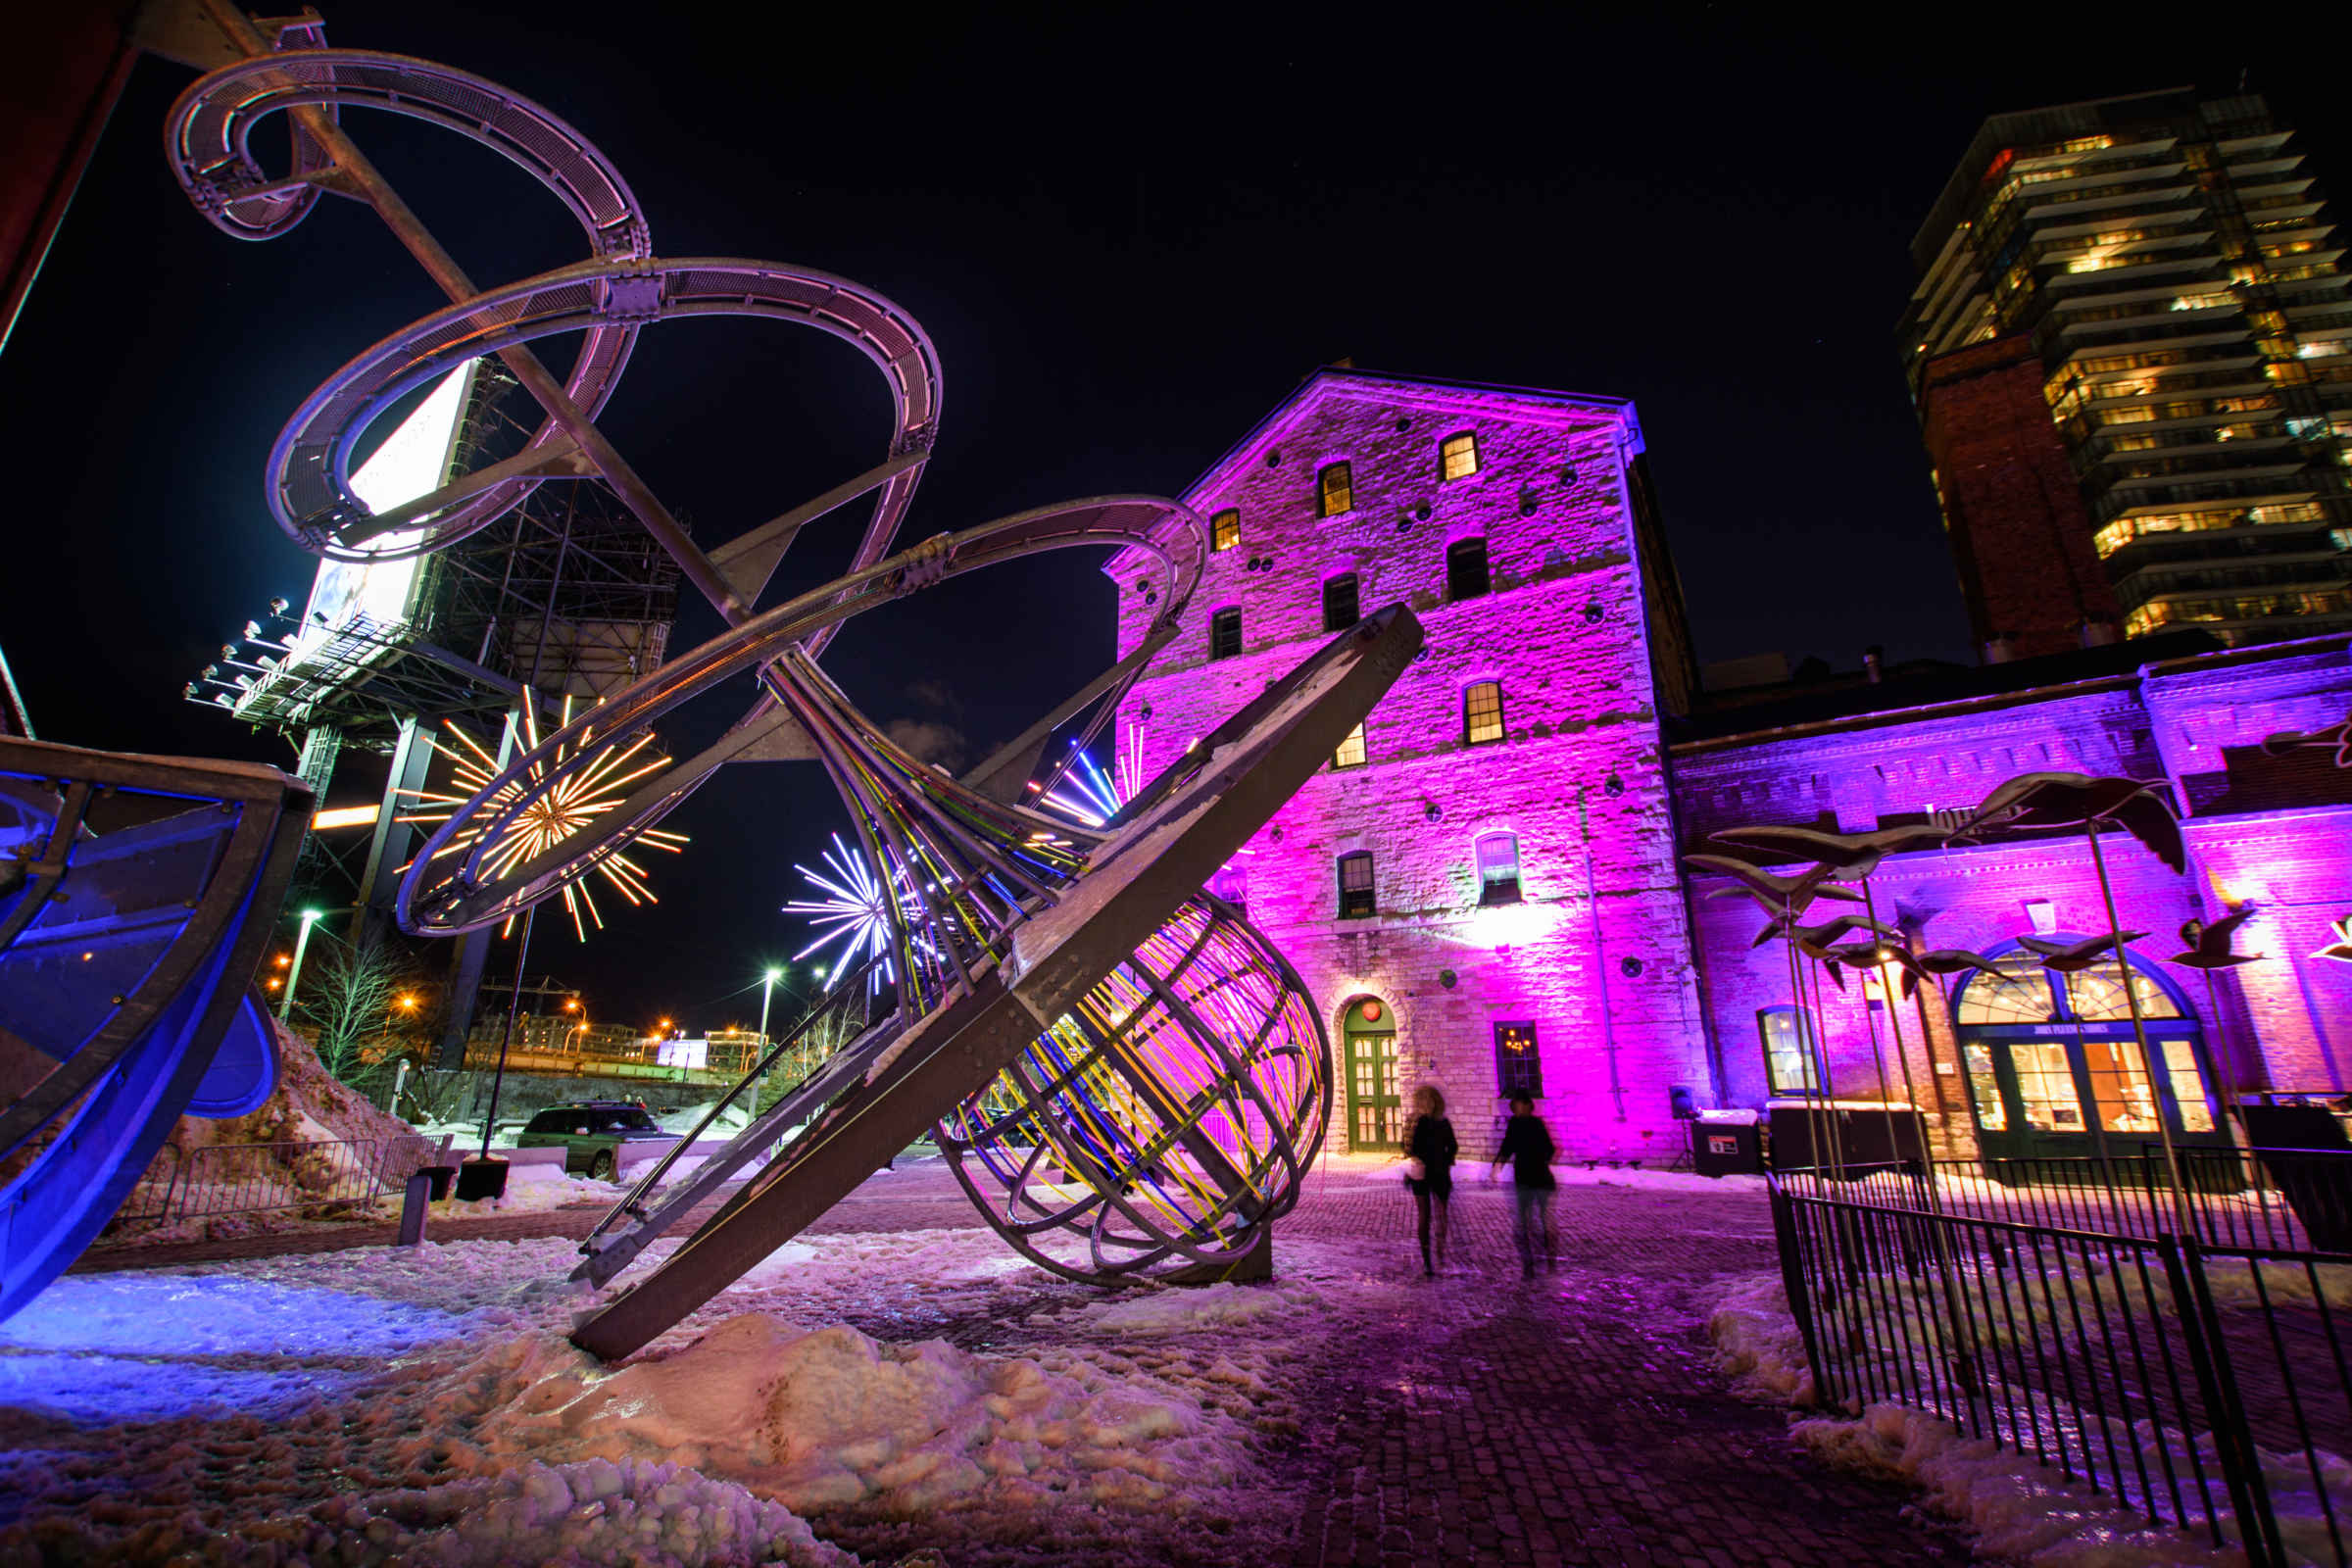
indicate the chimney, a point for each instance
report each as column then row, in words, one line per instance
column 1999, row 650
column 1874, row 660
column 2099, row 634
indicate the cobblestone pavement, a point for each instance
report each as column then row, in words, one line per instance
column 1572, row 1419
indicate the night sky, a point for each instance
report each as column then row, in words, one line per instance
column 1128, row 241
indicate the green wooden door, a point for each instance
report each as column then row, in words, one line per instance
column 1375, row 1119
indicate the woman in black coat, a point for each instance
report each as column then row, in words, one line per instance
column 1429, row 1154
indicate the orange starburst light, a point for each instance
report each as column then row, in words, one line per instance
column 576, row 798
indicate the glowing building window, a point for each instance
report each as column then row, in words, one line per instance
column 1232, row 883
column 1482, row 713
column 1355, row 886
column 1351, row 749
column 1335, row 491
column 1790, row 1062
column 1225, row 634
column 1339, row 602
column 1499, row 868
column 1457, row 457
column 1466, row 568
column 1225, row 529
column 1517, row 1069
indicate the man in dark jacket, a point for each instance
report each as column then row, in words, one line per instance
column 1527, row 1144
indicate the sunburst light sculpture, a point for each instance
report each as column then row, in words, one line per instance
column 574, row 800
column 853, row 912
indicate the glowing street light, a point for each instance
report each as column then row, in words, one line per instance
column 767, row 991
column 285, row 1003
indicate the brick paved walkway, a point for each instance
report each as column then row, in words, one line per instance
column 1572, row 1419
column 1575, row 1418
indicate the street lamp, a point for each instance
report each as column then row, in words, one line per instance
column 767, row 991
column 285, row 1003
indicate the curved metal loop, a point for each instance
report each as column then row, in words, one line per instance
column 217, row 171
column 309, row 485
column 1187, row 1126
column 209, row 133
column 448, row 895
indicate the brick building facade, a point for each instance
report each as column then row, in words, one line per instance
column 2020, row 535
column 2018, row 1062
column 1485, row 889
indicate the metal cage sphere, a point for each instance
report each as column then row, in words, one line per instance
column 1165, row 1122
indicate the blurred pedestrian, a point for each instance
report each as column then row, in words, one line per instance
column 1527, row 1144
column 1429, row 1155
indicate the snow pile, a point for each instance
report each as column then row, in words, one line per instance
column 1756, row 1340
column 597, row 1513
column 832, row 1418
column 1190, row 1311
column 2021, row 1511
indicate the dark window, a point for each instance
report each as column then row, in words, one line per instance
column 1789, row 1061
column 548, row 1121
column 1224, row 635
column 1339, row 602
column 1356, row 885
column 1466, row 568
column 1499, row 868
column 1457, row 457
column 1482, row 713
column 1225, row 529
column 1351, row 749
column 1335, row 491
column 1516, row 1069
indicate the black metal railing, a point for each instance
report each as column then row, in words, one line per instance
column 2204, row 1383
column 2289, row 1199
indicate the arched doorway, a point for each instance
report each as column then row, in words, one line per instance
column 2045, row 1051
column 1369, row 1035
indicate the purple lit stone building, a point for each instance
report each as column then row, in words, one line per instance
column 2018, row 1061
column 1483, row 889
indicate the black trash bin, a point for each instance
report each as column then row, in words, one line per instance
column 1727, row 1147
column 439, row 1176
column 2305, row 1151
column 482, row 1178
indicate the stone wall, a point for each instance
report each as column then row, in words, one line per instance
column 1596, row 956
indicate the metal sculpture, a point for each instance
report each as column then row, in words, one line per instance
column 1162, row 1055
column 136, row 897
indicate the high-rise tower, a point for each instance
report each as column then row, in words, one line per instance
column 2130, row 350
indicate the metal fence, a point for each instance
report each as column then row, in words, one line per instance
column 2292, row 1199
column 2203, row 1383
column 257, row 1178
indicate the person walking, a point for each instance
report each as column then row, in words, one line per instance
column 1428, row 1155
column 1527, row 1144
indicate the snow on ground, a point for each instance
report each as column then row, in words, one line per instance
column 2021, row 1510
column 423, row 1405
column 1569, row 1173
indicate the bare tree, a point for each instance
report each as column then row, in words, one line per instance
column 353, row 1004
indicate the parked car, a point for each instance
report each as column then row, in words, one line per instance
column 591, row 1132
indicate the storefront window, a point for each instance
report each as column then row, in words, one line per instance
column 2119, row 1082
column 2045, row 1086
column 1984, row 1089
column 2188, row 1086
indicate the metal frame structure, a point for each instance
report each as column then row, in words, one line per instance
column 1010, row 918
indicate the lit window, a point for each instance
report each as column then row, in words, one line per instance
column 1499, row 868
column 1351, row 749
column 1356, row 885
column 1334, row 492
column 1339, row 602
column 1457, row 457
column 1232, row 883
column 1225, row 634
column 1225, row 529
column 1482, row 713
column 1466, row 568
column 1517, row 1069
column 1789, row 1065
